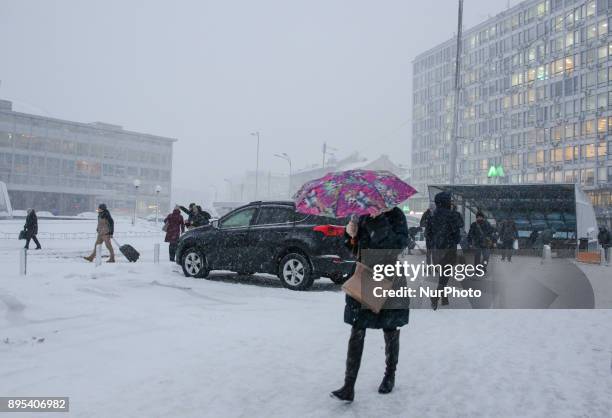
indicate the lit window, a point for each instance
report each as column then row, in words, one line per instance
column 602, row 125
column 590, row 8
column 591, row 31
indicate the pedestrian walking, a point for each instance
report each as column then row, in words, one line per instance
column 533, row 239
column 174, row 226
column 105, row 230
column 195, row 216
column 31, row 229
column 423, row 224
column 604, row 237
column 481, row 239
column 444, row 232
column 387, row 233
column 508, row 233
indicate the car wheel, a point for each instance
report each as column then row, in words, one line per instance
column 339, row 278
column 194, row 263
column 295, row 272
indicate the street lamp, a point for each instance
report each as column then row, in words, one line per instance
column 136, row 186
column 257, row 164
column 286, row 157
column 212, row 186
column 158, row 189
column 231, row 188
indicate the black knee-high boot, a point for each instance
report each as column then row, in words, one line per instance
column 391, row 358
column 353, row 361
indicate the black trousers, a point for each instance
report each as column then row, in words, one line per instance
column 33, row 238
column 172, row 250
column 507, row 248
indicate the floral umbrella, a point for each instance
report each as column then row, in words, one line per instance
column 352, row 192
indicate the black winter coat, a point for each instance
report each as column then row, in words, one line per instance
column 508, row 230
column 31, row 225
column 425, row 219
column 444, row 229
column 481, row 235
column 604, row 238
column 196, row 219
column 388, row 231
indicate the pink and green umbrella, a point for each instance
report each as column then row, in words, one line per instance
column 352, row 192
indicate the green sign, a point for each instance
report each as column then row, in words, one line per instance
column 496, row 171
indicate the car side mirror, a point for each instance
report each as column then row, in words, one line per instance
column 215, row 223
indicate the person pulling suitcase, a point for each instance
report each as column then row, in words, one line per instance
column 105, row 230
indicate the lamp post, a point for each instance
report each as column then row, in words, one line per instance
column 256, row 133
column 286, row 157
column 158, row 189
column 229, row 182
column 212, row 186
column 136, row 186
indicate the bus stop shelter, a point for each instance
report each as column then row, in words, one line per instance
column 563, row 208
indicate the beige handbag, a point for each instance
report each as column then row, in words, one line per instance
column 361, row 288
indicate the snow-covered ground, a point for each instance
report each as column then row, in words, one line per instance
column 141, row 340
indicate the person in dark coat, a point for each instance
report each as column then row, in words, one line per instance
column 195, row 216
column 175, row 226
column 605, row 240
column 31, row 229
column 105, row 230
column 423, row 224
column 533, row 239
column 547, row 236
column 481, row 239
column 388, row 233
column 508, row 232
column 444, row 232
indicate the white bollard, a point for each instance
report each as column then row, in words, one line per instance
column 546, row 253
column 23, row 262
column 609, row 254
column 156, row 253
column 98, row 255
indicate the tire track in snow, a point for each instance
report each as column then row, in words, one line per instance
column 193, row 293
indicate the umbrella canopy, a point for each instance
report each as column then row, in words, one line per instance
column 352, row 192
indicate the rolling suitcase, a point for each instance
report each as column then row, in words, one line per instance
column 128, row 252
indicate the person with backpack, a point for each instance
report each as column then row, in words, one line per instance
column 174, row 226
column 31, row 229
column 105, row 230
column 444, row 233
column 481, row 238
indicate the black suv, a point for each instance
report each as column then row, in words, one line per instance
column 269, row 237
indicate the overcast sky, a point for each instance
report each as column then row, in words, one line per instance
column 210, row 72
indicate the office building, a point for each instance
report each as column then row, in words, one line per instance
column 67, row 167
column 534, row 105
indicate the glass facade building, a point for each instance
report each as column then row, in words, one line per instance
column 535, row 99
column 66, row 167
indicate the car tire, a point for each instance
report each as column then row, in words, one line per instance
column 339, row 278
column 194, row 263
column 295, row 272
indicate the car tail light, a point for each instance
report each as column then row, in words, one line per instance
column 330, row 230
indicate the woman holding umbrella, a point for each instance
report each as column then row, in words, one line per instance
column 380, row 228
